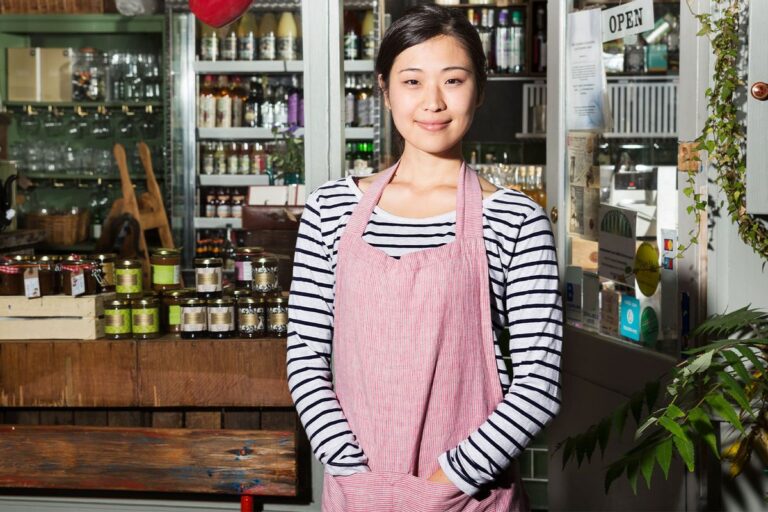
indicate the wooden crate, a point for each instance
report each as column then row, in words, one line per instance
column 53, row 317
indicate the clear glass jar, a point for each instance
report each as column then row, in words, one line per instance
column 244, row 257
column 89, row 73
column 264, row 270
column 117, row 320
column 170, row 309
column 194, row 319
column 277, row 317
column 11, row 279
column 107, row 261
column 145, row 317
column 129, row 279
column 251, row 319
column 208, row 277
column 221, row 318
column 166, row 269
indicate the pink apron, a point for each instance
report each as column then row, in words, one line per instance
column 414, row 363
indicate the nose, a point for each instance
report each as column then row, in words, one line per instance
column 433, row 99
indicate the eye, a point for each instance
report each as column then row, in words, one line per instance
column 454, row 81
column 411, row 81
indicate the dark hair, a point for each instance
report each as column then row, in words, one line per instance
column 422, row 23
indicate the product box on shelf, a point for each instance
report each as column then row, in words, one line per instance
column 55, row 74
column 23, row 68
column 53, row 317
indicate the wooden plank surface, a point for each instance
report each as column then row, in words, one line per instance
column 98, row 373
column 86, row 306
column 161, row 460
column 218, row 373
column 51, row 328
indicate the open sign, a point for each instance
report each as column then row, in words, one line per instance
column 627, row 19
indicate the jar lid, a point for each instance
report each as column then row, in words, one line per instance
column 118, row 303
column 47, row 259
column 241, row 293
column 250, row 300
column 208, row 262
column 277, row 300
column 179, row 293
column 9, row 268
column 249, row 250
column 166, row 252
column 147, row 300
column 108, row 256
column 267, row 258
column 193, row 301
column 224, row 301
column 21, row 257
column 129, row 263
column 74, row 257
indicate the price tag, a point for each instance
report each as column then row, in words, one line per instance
column 31, row 283
column 78, row 283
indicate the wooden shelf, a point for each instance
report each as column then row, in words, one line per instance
column 84, row 104
column 81, row 23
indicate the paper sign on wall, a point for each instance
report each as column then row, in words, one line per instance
column 627, row 19
column 586, row 83
column 617, row 238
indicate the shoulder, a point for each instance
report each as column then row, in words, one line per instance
column 331, row 200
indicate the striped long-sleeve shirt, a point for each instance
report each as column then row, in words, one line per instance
column 525, row 300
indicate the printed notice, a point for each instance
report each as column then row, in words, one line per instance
column 586, row 74
column 617, row 242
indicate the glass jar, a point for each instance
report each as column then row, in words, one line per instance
column 170, row 309
column 37, row 278
column 11, row 279
column 77, row 278
column 145, row 317
column 221, row 318
column 117, row 320
column 107, row 261
column 277, row 317
column 264, row 270
column 244, row 257
column 194, row 320
column 48, row 273
column 208, row 277
column 128, row 279
column 166, row 269
column 88, row 75
column 251, row 317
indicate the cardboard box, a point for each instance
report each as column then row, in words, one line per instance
column 56, row 74
column 23, row 66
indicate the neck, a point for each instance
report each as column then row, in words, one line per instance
column 428, row 170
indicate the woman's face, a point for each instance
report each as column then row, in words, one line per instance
column 432, row 94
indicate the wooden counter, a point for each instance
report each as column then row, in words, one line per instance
column 165, row 415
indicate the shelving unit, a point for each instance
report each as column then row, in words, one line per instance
column 246, row 67
column 245, row 133
column 218, row 223
column 233, row 180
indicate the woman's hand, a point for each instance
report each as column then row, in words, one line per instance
column 439, row 476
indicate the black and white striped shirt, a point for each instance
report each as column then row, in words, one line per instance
column 525, row 300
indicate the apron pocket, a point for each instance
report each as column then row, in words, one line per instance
column 414, row 494
column 361, row 492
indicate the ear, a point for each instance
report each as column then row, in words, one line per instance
column 384, row 91
column 480, row 99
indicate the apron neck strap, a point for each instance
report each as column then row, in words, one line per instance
column 469, row 203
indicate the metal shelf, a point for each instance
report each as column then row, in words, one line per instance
column 233, row 180
column 358, row 133
column 358, row 66
column 84, row 104
column 85, row 177
column 240, row 133
column 216, row 223
column 248, row 66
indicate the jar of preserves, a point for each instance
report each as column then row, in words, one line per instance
column 77, row 278
column 129, row 279
column 145, row 317
column 208, row 277
column 107, row 261
column 88, row 75
column 264, row 271
column 11, row 280
column 244, row 257
column 117, row 319
column 194, row 318
column 251, row 317
column 221, row 317
column 170, row 309
column 37, row 278
column 48, row 273
column 277, row 317
column 166, row 269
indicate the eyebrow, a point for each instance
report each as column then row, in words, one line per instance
column 450, row 68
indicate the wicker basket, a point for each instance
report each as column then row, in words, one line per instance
column 65, row 230
column 56, row 6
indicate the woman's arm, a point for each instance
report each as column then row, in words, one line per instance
column 310, row 333
column 534, row 318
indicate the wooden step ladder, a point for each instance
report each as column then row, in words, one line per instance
column 148, row 208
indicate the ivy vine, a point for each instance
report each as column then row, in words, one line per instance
column 723, row 137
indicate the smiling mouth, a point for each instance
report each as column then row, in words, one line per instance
column 433, row 126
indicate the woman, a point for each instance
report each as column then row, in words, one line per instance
column 410, row 276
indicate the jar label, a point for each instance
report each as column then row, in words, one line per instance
column 264, row 280
column 145, row 321
column 117, row 321
column 286, row 48
column 108, row 270
column 77, row 282
column 174, row 315
column 31, row 283
column 128, row 280
column 278, row 320
column 243, row 271
column 193, row 319
column 166, row 274
column 208, row 279
column 221, row 319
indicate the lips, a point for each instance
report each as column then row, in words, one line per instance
column 433, row 126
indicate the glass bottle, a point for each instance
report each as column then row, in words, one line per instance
column 368, row 35
column 267, row 37
column 293, row 102
column 224, row 204
column 252, row 107
column 229, row 43
column 364, row 105
column 206, row 111
column 244, row 157
column 220, row 159
column 223, row 103
column 247, row 34
column 517, row 62
column 286, row 37
column 349, row 101
column 351, row 36
column 503, row 42
column 209, row 43
column 238, row 94
column 211, row 204
column 233, row 158
column 634, row 55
